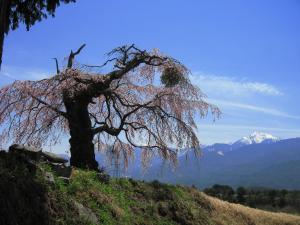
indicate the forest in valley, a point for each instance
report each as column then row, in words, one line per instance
column 263, row 198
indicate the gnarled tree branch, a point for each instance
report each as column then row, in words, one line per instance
column 72, row 56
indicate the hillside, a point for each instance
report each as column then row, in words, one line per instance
column 31, row 193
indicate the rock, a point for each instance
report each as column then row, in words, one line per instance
column 54, row 157
column 49, row 177
column 86, row 213
column 61, row 170
column 28, row 151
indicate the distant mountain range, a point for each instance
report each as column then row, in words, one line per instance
column 260, row 160
column 254, row 138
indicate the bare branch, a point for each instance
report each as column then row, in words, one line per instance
column 72, row 56
column 57, row 67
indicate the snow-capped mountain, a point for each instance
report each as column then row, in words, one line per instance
column 256, row 138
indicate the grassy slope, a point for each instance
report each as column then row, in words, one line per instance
column 121, row 201
column 126, row 201
column 236, row 214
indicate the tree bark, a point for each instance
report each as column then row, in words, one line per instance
column 4, row 6
column 81, row 141
column 1, row 45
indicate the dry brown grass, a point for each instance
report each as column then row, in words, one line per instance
column 225, row 213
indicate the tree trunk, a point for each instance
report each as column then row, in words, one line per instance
column 1, row 45
column 81, row 141
column 4, row 6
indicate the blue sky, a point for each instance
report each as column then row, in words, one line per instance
column 245, row 55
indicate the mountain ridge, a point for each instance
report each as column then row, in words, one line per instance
column 235, row 167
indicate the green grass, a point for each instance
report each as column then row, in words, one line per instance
column 126, row 201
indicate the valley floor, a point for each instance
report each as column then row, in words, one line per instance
column 235, row 214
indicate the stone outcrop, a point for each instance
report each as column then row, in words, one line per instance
column 34, row 155
column 37, row 154
column 26, row 151
column 53, row 157
column 86, row 213
column 61, row 170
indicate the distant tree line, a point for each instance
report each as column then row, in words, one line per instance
column 262, row 198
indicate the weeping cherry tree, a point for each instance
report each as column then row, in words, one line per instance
column 146, row 101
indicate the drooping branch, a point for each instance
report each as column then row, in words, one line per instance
column 134, row 108
column 49, row 106
column 127, row 107
column 167, row 118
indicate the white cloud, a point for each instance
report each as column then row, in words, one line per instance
column 228, row 133
column 220, row 85
column 19, row 73
column 252, row 128
column 270, row 111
